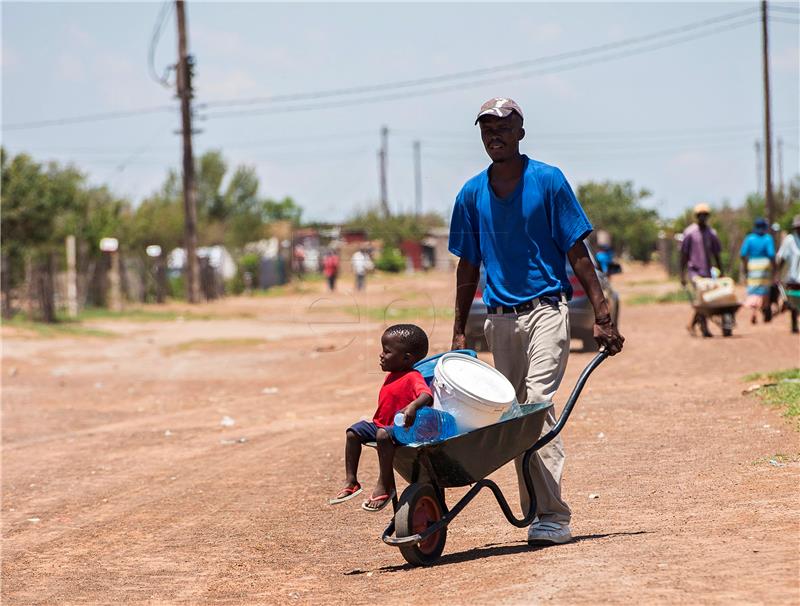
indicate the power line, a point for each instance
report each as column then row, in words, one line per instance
column 474, row 83
column 451, row 138
column 517, row 65
column 786, row 9
column 163, row 80
column 416, row 82
column 90, row 117
column 774, row 19
column 442, row 136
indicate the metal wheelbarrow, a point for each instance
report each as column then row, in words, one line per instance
column 421, row 515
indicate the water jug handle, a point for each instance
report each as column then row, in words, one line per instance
column 443, row 386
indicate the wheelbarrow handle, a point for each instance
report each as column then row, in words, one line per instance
column 573, row 397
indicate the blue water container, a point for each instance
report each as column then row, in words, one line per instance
column 430, row 425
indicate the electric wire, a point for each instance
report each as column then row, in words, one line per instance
column 98, row 117
column 163, row 80
column 475, row 83
column 517, row 65
column 417, row 82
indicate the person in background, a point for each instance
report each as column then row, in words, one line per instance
column 605, row 253
column 300, row 259
column 758, row 259
column 700, row 247
column 788, row 259
column 330, row 267
column 605, row 256
column 361, row 265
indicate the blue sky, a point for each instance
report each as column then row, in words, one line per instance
column 680, row 121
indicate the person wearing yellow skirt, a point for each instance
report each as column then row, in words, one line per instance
column 758, row 259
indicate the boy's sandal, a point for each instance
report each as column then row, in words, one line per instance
column 346, row 494
column 381, row 501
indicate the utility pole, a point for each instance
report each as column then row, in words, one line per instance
column 767, row 124
column 184, row 85
column 382, row 162
column 759, row 169
column 417, row 179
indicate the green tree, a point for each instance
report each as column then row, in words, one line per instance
column 616, row 208
column 41, row 205
column 283, row 210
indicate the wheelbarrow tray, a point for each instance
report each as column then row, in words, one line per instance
column 728, row 308
column 467, row 458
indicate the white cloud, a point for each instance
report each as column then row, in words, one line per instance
column 9, row 59
column 558, row 86
column 70, row 68
column 236, row 82
column 541, row 32
column 79, row 37
column 787, row 59
column 124, row 84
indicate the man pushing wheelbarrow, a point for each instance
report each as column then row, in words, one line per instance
column 521, row 220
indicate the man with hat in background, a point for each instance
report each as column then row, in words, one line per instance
column 788, row 257
column 699, row 248
column 521, row 220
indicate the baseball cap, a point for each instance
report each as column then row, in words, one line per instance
column 761, row 223
column 702, row 208
column 500, row 107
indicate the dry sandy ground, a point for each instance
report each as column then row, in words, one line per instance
column 120, row 484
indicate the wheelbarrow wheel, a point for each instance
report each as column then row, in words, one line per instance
column 727, row 324
column 418, row 509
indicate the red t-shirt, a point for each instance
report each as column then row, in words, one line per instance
column 398, row 391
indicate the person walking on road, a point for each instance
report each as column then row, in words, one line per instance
column 330, row 267
column 521, row 220
column 700, row 247
column 788, row 258
column 758, row 260
column 361, row 265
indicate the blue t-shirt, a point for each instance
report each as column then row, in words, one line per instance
column 522, row 240
column 757, row 246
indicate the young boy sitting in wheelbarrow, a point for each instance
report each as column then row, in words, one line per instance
column 404, row 390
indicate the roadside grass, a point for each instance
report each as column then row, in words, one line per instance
column 387, row 313
column 674, row 296
column 212, row 345
column 56, row 329
column 135, row 314
column 781, row 390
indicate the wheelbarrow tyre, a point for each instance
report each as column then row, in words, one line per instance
column 727, row 324
column 419, row 507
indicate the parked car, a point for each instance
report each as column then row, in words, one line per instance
column 581, row 313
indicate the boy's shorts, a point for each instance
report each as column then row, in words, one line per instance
column 367, row 431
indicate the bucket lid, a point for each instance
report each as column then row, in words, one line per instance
column 476, row 379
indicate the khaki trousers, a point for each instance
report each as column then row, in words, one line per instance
column 531, row 350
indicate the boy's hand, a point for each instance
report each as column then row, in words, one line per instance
column 409, row 414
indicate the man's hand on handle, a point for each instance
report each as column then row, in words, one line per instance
column 607, row 335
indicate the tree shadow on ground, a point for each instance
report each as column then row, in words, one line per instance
column 496, row 549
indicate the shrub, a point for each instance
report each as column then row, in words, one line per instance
column 391, row 260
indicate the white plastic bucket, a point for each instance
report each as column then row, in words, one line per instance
column 472, row 391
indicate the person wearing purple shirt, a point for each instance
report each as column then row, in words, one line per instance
column 699, row 248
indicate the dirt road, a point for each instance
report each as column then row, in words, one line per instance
column 121, row 483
